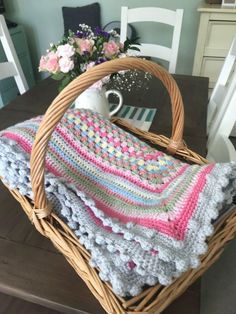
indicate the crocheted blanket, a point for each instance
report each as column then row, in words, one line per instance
column 143, row 215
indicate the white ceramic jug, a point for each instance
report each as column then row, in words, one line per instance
column 97, row 100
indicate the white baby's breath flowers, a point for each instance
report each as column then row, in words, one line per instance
column 131, row 80
column 114, row 33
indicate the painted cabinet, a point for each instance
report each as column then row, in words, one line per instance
column 8, row 88
column 216, row 30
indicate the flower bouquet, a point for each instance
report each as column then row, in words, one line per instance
column 82, row 50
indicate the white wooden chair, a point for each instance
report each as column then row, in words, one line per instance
column 160, row 15
column 12, row 67
column 221, row 115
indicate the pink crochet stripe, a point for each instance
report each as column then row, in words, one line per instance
column 162, row 226
column 27, row 147
column 93, row 160
column 20, row 140
column 57, row 172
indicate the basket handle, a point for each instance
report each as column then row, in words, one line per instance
column 61, row 103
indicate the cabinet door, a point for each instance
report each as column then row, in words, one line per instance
column 219, row 38
column 211, row 68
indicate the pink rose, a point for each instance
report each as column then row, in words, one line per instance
column 65, row 51
column 66, row 64
column 49, row 63
column 85, row 45
column 110, row 49
column 43, row 64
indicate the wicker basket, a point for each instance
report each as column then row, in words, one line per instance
column 153, row 299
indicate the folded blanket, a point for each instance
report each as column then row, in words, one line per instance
column 142, row 214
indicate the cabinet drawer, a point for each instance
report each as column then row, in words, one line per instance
column 19, row 42
column 219, row 38
column 27, row 69
column 8, row 95
column 211, row 68
column 7, row 83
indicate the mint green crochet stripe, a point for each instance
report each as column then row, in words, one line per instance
column 129, row 187
column 158, row 179
column 106, row 198
column 115, row 202
column 70, row 173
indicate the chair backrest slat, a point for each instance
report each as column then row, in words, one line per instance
column 159, row 15
column 7, row 69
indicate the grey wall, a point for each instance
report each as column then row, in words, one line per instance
column 43, row 23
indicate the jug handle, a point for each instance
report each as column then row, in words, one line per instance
column 116, row 92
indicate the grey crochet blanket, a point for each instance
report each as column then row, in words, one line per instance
column 129, row 255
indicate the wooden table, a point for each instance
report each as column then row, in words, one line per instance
column 30, row 267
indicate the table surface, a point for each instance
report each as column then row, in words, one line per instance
column 30, row 267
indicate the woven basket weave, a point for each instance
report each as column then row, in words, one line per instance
column 153, row 299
